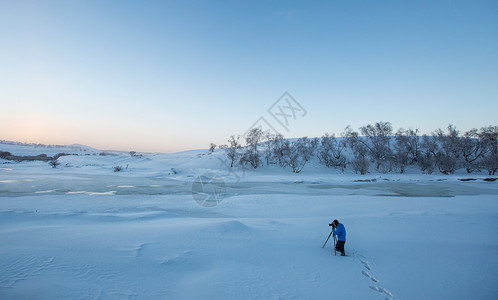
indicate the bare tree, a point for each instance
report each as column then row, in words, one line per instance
column 330, row 152
column 299, row 153
column 283, row 152
column 212, row 146
column 490, row 163
column 489, row 137
column 360, row 162
column 428, row 149
column 473, row 150
column 270, row 140
column 378, row 143
column 232, row 150
column 451, row 142
column 279, row 147
column 251, row 154
column 448, row 151
column 314, row 142
column 54, row 163
column 360, row 165
column 406, row 148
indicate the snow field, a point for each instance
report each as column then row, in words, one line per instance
column 248, row 247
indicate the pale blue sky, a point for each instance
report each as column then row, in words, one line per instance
column 170, row 76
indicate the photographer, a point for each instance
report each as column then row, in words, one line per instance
column 340, row 232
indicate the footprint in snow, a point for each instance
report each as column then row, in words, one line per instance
column 366, row 264
column 366, row 274
column 376, row 288
column 380, row 289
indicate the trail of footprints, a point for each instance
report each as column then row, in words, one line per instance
column 374, row 286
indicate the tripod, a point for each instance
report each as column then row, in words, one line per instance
column 335, row 250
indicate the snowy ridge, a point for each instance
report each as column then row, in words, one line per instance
column 19, row 148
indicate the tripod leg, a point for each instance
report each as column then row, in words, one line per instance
column 328, row 239
column 335, row 244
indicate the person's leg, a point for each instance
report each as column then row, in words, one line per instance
column 340, row 247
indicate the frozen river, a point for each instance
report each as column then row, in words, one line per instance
column 14, row 185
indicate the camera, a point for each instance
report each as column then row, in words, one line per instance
column 332, row 224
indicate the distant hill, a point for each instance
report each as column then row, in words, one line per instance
column 20, row 148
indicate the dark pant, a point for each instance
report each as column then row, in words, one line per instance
column 339, row 246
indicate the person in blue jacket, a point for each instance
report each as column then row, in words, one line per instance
column 340, row 231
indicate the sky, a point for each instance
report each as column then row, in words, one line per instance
column 167, row 76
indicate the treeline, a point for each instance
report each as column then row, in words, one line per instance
column 373, row 147
column 40, row 157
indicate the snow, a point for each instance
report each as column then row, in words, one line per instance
column 17, row 148
column 84, row 231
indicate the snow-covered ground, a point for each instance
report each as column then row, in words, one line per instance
column 84, row 231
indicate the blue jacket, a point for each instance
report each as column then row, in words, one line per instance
column 340, row 231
